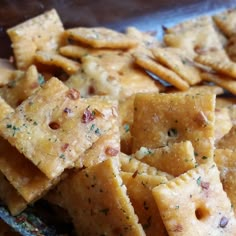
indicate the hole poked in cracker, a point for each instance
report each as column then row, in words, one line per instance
column 202, row 212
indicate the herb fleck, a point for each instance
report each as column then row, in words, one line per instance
column 127, row 128
column 41, row 80
column 199, row 180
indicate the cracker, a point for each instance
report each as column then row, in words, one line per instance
column 98, row 203
column 194, row 37
column 164, row 119
column 210, row 89
column 54, row 59
column 229, row 140
column 219, row 62
column 16, row 91
column 108, row 146
column 74, row 51
column 225, row 160
column 125, row 121
column 59, row 124
column 132, row 165
column 26, row 178
column 178, row 61
column 226, row 21
column 139, row 189
column 11, row 197
column 231, row 48
column 229, row 103
column 224, row 81
column 175, row 160
column 99, row 37
column 42, row 32
column 5, row 109
column 202, row 209
column 111, row 74
column 167, row 75
column 223, row 123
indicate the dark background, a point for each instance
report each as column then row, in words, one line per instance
column 117, row 14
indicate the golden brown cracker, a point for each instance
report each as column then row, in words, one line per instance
column 230, row 104
column 226, row 21
column 202, row 209
column 178, row 61
column 194, row 36
column 132, row 165
column 21, row 88
column 100, row 204
column 219, row 62
column 10, row 197
column 228, row 140
column 224, row 81
column 162, row 119
column 139, row 189
column 225, row 160
column 100, row 37
column 223, row 123
column 58, row 123
column 54, row 59
column 175, row 159
column 167, row 75
column 42, row 32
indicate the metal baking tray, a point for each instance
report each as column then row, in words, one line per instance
column 148, row 15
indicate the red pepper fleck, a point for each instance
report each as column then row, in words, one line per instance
column 178, row 228
column 64, row 147
column 223, row 222
column 111, row 151
column 88, row 116
column 135, row 174
column 73, row 94
column 54, row 125
column 205, row 185
column 91, row 90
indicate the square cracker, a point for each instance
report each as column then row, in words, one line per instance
column 178, row 61
column 223, row 123
column 10, row 197
column 22, row 174
column 202, row 209
column 194, row 36
column 226, row 162
column 219, row 62
column 97, row 201
column 175, row 159
column 54, row 126
column 162, row 119
column 229, row 140
column 100, row 37
column 19, row 89
column 107, row 146
column 113, row 74
column 139, row 189
column 226, row 21
column 132, row 165
column 54, row 59
column 148, row 63
column 224, row 81
column 42, row 32
column 230, row 104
